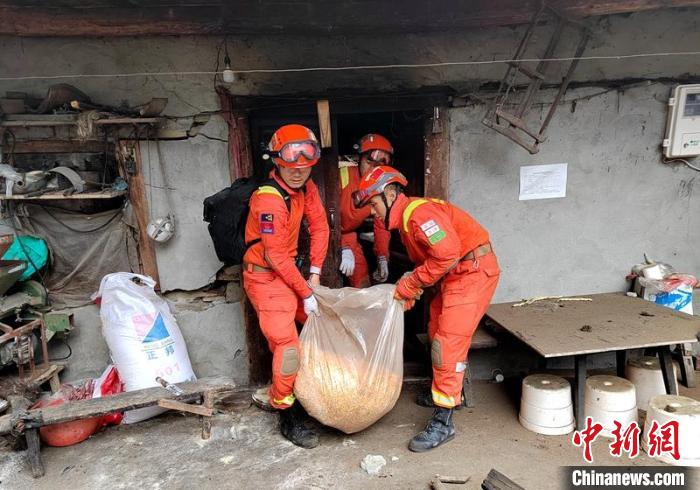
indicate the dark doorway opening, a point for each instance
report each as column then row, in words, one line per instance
column 406, row 130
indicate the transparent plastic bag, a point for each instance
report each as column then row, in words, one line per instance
column 352, row 357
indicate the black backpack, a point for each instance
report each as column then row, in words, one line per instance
column 227, row 212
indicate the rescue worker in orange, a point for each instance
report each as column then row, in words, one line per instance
column 271, row 279
column 373, row 150
column 452, row 253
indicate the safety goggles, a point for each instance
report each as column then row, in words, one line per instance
column 378, row 156
column 292, row 152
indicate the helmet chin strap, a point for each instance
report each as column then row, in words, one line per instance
column 388, row 210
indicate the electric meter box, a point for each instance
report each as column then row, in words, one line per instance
column 683, row 125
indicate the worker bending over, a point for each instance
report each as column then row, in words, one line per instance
column 278, row 291
column 452, row 252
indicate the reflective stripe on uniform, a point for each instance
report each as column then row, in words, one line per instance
column 409, row 211
column 344, row 177
column 287, row 400
column 268, row 189
column 442, row 400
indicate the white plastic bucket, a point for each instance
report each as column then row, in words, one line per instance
column 645, row 374
column 545, row 405
column 685, row 411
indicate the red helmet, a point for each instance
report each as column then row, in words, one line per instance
column 374, row 183
column 294, row 146
column 377, row 148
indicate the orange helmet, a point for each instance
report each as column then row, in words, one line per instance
column 294, row 146
column 377, row 148
column 374, row 183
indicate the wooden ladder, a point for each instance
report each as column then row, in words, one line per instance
column 513, row 124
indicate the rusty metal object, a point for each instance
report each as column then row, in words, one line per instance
column 513, row 125
column 24, row 348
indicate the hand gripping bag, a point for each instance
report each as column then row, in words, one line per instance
column 143, row 337
column 351, row 367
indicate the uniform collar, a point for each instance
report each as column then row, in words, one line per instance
column 396, row 212
column 280, row 181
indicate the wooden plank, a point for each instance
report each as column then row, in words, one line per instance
column 610, row 322
column 25, row 123
column 42, row 375
column 61, row 146
column 73, row 18
column 324, row 123
column 480, row 340
column 185, row 407
column 138, row 199
column 58, row 195
column 437, row 156
column 33, row 452
column 94, row 407
column 496, row 480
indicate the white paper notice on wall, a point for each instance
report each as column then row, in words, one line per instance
column 543, row 181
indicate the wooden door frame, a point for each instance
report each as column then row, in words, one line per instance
column 436, row 184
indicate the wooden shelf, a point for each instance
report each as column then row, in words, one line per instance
column 47, row 120
column 58, row 195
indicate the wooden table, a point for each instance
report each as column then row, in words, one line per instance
column 610, row 322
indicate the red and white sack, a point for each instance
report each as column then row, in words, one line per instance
column 143, row 337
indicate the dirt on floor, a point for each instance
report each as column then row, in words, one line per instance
column 246, row 451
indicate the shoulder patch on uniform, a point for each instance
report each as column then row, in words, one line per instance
column 432, row 231
column 268, row 189
column 267, row 223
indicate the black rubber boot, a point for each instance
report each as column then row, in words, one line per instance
column 293, row 427
column 439, row 430
column 425, row 399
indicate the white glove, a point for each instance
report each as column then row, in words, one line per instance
column 382, row 272
column 347, row 262
column 311, row 306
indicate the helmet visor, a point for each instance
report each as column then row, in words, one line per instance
column 292, row 152
column 380, row 157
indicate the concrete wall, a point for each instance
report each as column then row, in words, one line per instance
column 194, row 169
column 621, row 200
column 213, row 332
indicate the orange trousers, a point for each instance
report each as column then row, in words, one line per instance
column 277, row 306
column 360, row 276
column 455, row 312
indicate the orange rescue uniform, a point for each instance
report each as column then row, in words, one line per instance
column 271, row 279
column 439, row 237
column 351, row 219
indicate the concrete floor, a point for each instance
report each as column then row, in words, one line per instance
column 246, row 451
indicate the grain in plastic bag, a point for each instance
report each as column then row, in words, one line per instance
column 351, row 357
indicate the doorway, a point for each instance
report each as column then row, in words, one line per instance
column 406, row 131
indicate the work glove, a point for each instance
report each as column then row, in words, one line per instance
column 406, row 290
column 382, row 272
column 408, row 304
column 347, row 262
column 311, row 306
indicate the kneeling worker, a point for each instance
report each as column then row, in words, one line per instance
column 271, row 279
column 452, row 253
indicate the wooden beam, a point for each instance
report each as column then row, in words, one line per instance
column 185, row 407
column 93, row 407
column 74, row 18
column 324, row 123
column 62, row 146
column 437, row 154
column 137, row 198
